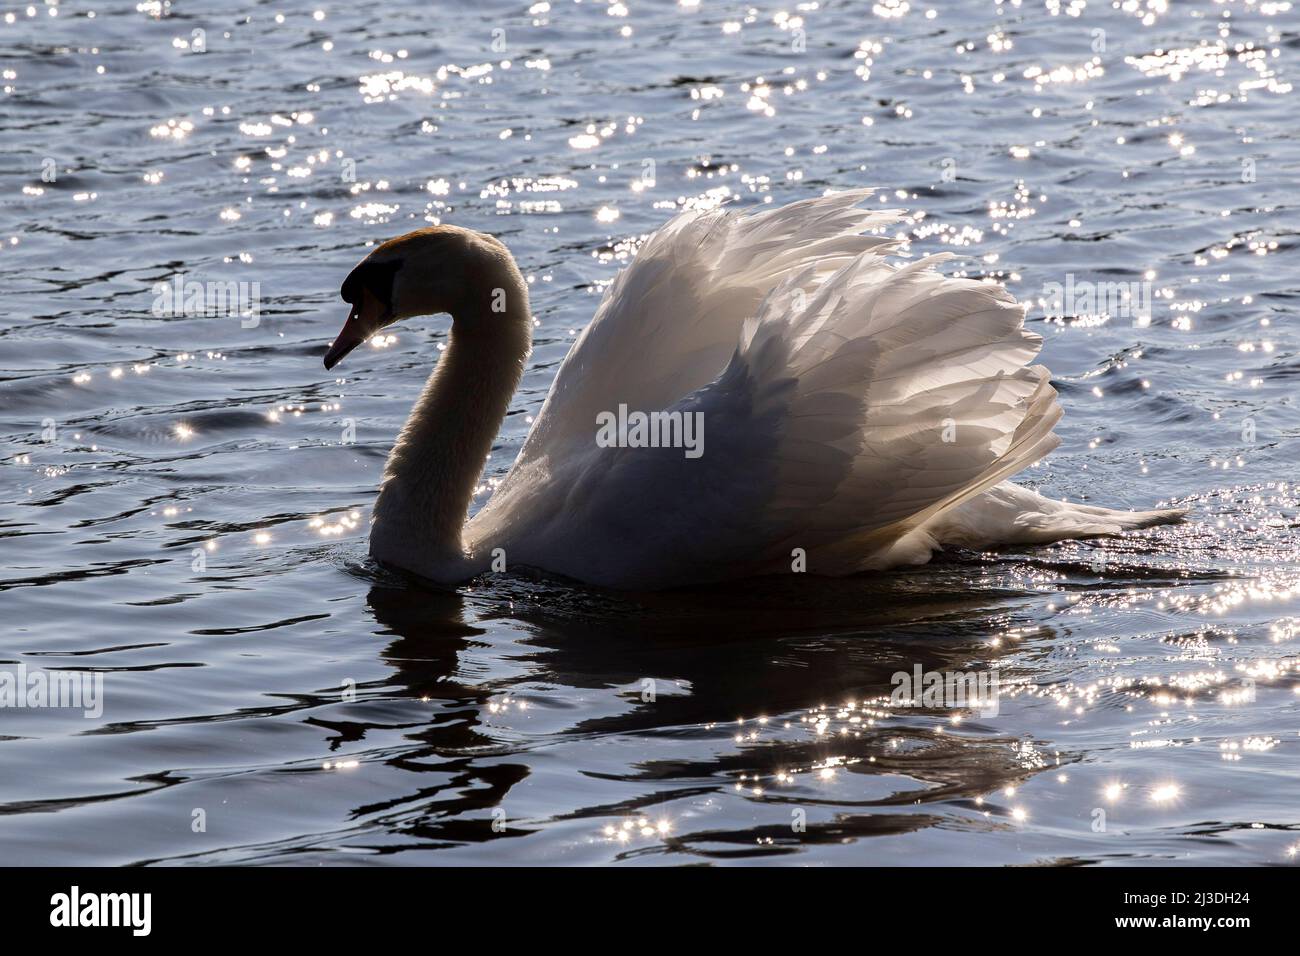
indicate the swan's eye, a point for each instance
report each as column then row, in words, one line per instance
column 377, row 277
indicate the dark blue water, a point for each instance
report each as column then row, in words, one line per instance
column 181, row 518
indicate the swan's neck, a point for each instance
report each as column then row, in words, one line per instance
column 432, row 471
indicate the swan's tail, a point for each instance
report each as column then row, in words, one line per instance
column 1007, row 515
column 1010, row 515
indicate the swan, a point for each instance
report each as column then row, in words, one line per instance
column 823, row 405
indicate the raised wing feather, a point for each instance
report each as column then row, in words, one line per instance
column 670, row 321
column 846, row 401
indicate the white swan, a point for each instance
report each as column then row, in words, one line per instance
column 857, row 413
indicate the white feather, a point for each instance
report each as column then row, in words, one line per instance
column 857, row 409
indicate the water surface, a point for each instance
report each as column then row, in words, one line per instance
column 183, row 509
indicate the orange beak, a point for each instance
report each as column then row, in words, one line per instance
column 353, row 333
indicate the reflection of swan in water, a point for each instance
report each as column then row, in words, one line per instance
column 464, row 781
column 715, row 654
column 835, row 407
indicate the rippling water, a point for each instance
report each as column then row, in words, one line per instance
column 183, row 512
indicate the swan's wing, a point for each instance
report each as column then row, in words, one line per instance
column 669, row 322
column 855, row 407
column 909, row 392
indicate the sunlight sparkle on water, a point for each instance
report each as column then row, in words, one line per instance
column 1166, row 793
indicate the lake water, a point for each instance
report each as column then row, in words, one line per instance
column 183, row 509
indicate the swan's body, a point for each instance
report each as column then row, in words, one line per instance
column 857, row 414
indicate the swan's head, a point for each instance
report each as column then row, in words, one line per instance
column 426, row 272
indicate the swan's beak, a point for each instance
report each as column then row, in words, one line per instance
column 352, row 334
